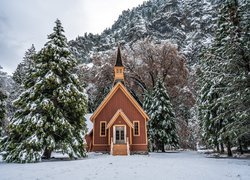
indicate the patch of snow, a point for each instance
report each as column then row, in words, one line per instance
column 186, row 165
column 88, row 122
column 58, row 155
column 90, row 65
column 245, row 155
column 217, row 155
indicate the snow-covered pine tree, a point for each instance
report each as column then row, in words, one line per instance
column 6, row 86
column 243, row 80
column 162, row 125
column 235, row 45
column 24, row 68
column 51, row 110
column 199, row 27
column 2, row 110
column 147, row 101
column 208, row 112
column 21, row 74
column 226, row 73
column 213, row 87
column 210, row 89
column 2, row 104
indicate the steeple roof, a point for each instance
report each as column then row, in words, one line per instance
column 119, row 58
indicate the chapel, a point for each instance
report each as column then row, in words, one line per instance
column 119, row 122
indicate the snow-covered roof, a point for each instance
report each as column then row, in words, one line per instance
column 88, row 122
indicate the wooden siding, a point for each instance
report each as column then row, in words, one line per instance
column 138, row 148
column 119, row 101
column 104, row 148
column 89, row 142
column 142, row 138
column 96, row 134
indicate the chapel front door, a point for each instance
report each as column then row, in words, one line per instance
column 119, row 135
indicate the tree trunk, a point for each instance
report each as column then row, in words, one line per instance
column 229, row 152
column 221, row 148
column 217, row 147
column 47, row 154
column 240, row 147
column 244, row 146
column 162, row 148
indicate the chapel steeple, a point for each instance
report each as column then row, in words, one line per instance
column 118, row 68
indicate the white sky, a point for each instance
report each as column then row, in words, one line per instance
column 26, row 22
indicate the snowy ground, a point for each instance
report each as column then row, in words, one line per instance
column 172, row 166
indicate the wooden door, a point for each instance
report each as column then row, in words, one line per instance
column 119, row 135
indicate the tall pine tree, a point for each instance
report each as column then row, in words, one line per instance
column 2, row 108
column 225, row 91
column 236, row 45
column 2, row 102
column 146, row 106
column 24, row 68
column 147, row 100
column 21, row 74
column 51, row 110
column 162, row 125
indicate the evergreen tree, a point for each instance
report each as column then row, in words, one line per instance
column 2, row 110
column 146, row 106
column 162, row 127
column 208, row 112
column 24, row 68
column 225, row 93
column 6, row 88
column 2, row 102
column 235, row 44
column 51, row 110
column 147, row 100
column 21, row 74
column 199, row 27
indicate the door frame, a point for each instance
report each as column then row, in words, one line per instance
column 125, row 133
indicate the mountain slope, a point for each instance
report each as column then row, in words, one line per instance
column 187, row 23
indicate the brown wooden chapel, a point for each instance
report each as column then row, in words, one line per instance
column 119, row 123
